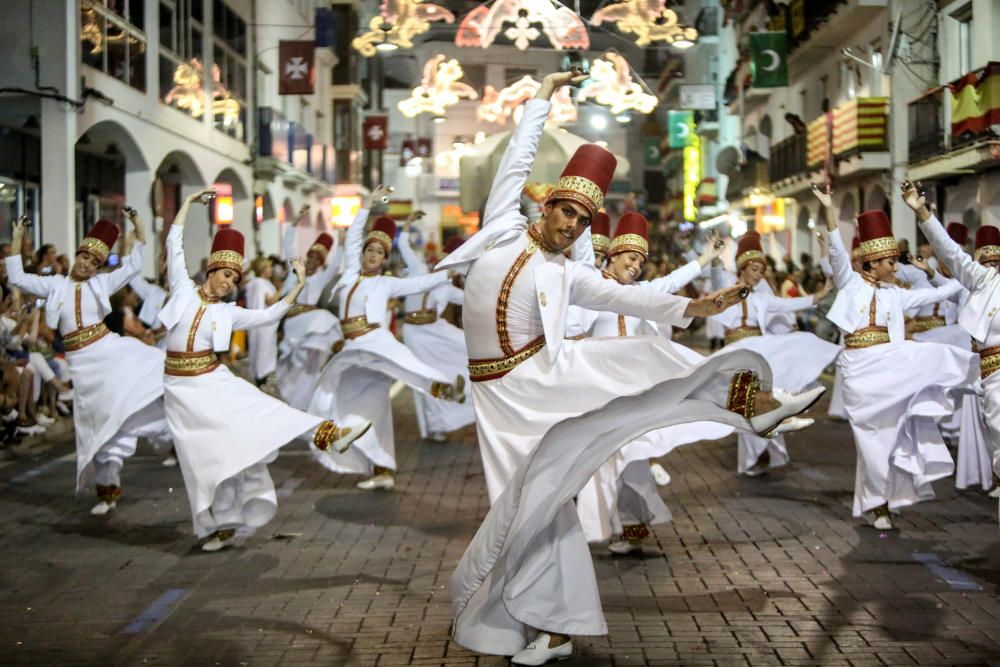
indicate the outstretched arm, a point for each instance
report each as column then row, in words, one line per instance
column 414, row 265
column 840, row 260
column 415, row 284
column 38, row 285
column 132, row 266
column 177, row 271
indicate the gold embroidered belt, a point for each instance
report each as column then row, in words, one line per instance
column 298, row 309
column 481, row 370
column 989, row 361
column 867, row 337
column 426, row 316
column 921, row 324
column 81, row 338
column 186, row 364
column 355, row 327
column 739, row 333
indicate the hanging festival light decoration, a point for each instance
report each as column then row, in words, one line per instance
column 611, row 85
column 397, row 23
column 649, row 20
column 499, row 105
column 517, row 20
column 439, row 89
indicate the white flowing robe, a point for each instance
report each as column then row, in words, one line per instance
column 977, row 316
column 796, row 358
column 225, row 430
column 356, row 381
column 547, row 425
column 440, row 344
column 117, row 380
column 308, row 337
column 894, row 392
column 263, row 340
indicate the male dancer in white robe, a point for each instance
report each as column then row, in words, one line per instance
column 549, row 412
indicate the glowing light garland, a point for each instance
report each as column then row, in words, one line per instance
column 649, row 20
column 612, row 86
column 188, row 93
column 398, row 22
column 499, row 105
column 439, row 89
column 563, row 28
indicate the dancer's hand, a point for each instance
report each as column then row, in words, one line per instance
column 299, row 267
column 823, row 194
column 380, row 197
column 916, row 198
column 411, row 218
column 714, row 247
column 715, row 302
column 553, row 82
column 922, row 264
column 17, row 233
column 138, row 226
column 204, row 197
column 823, row 291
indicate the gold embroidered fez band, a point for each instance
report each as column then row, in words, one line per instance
column 880, row 248
column 627, row 242
column 580, row 190
column 481, row 370
column 81, row 338
column 96, row 247
column 739, row 333
column 600, row 242
column 187, row 364
column 426, row 316
column 989, row 361
column 226, row 259
column 355, row 327
column 750, row 256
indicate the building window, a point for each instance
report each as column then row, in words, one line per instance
column 964, row 42
column 182, row 80
column 112, row 39
column 229, row 74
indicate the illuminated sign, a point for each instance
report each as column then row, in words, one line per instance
column 343, row 210
column 692, row 175
column 223, row 204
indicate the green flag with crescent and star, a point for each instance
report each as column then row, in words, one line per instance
column 768, row 59
column 680, row 127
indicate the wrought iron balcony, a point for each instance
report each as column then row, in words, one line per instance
column 788, row 158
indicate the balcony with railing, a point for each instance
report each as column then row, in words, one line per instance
column 788, row 158
column 751, row 178
column 925, row 117
column 853, row 137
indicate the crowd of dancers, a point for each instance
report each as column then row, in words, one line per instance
column 565, row 362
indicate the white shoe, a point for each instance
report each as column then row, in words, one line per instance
column 170, row 461
column 350, row 434
column 437, row 437
column 539, row 653
column 37, row 429
column 882, row 523
column 102, row 508
column 66, row 396
column 660, row 476
column 63, row 409
column 459, row 396
column 217, row 544
column 794, row 424
column 45, row 420
column 623, row 547
column 10, row 416
column 790, row 405
column 757, row 469
column 995, row 493
column 384, row 481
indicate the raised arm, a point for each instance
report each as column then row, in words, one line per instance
column 777, row 304
column 415, row 284
column 918, row 298
column 177, row 271
column 354, row 243
column 40, row 286
column 592, row 291
column 247, row 318
column 132, row 266
column 414, row 265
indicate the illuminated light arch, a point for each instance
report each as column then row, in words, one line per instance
column 649, row 20
column 407, row 18
column 500, row 105
column 612, row 86
column 439, row 89
column 517, row 20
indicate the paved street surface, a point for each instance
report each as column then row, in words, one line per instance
column 761, row 571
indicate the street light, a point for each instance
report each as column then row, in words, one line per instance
column 623, row 118
column 598, row 121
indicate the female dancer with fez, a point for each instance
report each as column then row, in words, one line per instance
column 225, row 429
column 117, row 381
column 358, row 378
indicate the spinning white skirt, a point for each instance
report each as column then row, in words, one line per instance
column 223, row 427
column 113, row 379
column 306, row 346
column 441, row 345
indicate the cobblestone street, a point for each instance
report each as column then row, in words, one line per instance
column 762, row 571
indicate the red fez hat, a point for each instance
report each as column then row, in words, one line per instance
column 856, row 247
column 586, row 178
column 600, row 232
column 99, row 240
column 631, row 234
column 988, row 244
column 749, row 250
column 453, row 244
column 323, row 244
column 227, row 251
column 958, row 232
column 877, row 241
column 383, row 230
